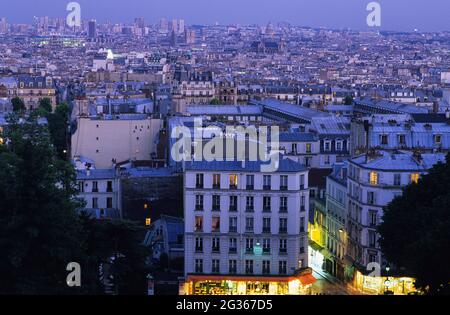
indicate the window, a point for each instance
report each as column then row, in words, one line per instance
column 397, row 179
column 266, row 246
column 80, row 186
column 233, row 181
column 437, row 139
column 327, row 145
column 302, row 181
column 384, row 139
column 249, row 267
column 283, row 182
column 339, row 145
column 249, row 224
column 199, row 202
column 282, row 267
column 283, row 204
column 371, row 197
column 199, row 265
column 109, row 203
column 267, row 182
column 199, row 180
column 233, row 203
column 232, row 266
column 267, row 204
column 199, row 244
column 233, row 245
column 266, row 267
column 283, row 225
column 302, row 203
column 308, row 161
column 327, row 160
column 215, row 268
column 250, row 182
column 216, row 181
column 216, row 203
column 215, row 226
column 415, row 178
column 308, row 148
column 401, row 140
column 294, row 148
column 215, row 245
column 109, row 186
column 372, row 218
column 198, row 223
column 373, row 178
column 95, row 186
column 95, row 203
column 283, row 246
column 233, row 224
column 302, row 224
column 266, row 225
column 249, row 245
column 250, row 203
column 372, row 239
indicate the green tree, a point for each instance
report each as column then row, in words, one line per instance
column 58, row 125
column 46, row 104
column 415, row 232
column 348, row 100
column 215, row 101
column 40, row 232
column 17, row 104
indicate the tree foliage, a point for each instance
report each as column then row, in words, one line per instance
column 415, row 232
column 17, row 104
column 41, row 231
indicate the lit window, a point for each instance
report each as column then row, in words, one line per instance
column 148, row 221
column 373, row 178
column 233, row 180
column 415, row 178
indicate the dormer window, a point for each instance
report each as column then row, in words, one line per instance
column 384, row 139
column 327, row 145
column 437, row 139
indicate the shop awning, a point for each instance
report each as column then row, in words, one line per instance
column 307, row 279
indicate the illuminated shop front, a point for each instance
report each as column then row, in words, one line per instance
column 248, row 285
column 384, row 284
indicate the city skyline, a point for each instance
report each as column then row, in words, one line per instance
column 402, row 15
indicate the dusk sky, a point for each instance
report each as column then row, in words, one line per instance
column 403, row 15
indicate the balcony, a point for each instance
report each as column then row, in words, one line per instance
column 267, row 187
column 232, row 250
column 233, row 229
column 233, row 208
column 266, row 251
column 198, row 207
column 249, row 209
column 266, row 230
column 216, row 208
column 199, row 186
column 283, row 230
column 283, row 251
column 233, row 186
column 250, row 187
column 283, row 188
column 199, row 249
column 283, row 209
column 216, row 250
column 249, row 229
column 216, row 186
column 249, row 250
column 267, row 209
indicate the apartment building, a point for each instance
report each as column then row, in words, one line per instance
column 240, row 225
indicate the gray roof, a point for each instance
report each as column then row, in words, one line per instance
column 297, row 137
column 96, row 174
column 403, row 161
column 285, row 166
column 223, row 110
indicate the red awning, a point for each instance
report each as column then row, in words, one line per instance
column 307, row 279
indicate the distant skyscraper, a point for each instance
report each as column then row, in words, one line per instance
column 181, row 27
column 92, row 29
column 173, row 39
column 140, row 22
column 175, row 25
column 3, row 26
column 163, row 25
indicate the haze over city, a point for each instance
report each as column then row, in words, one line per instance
column 399, row 15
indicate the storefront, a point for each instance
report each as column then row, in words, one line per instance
column 247, row 285
column 383, row 285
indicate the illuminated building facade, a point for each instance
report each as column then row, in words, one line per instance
column 373, row 181
column 246, row 231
